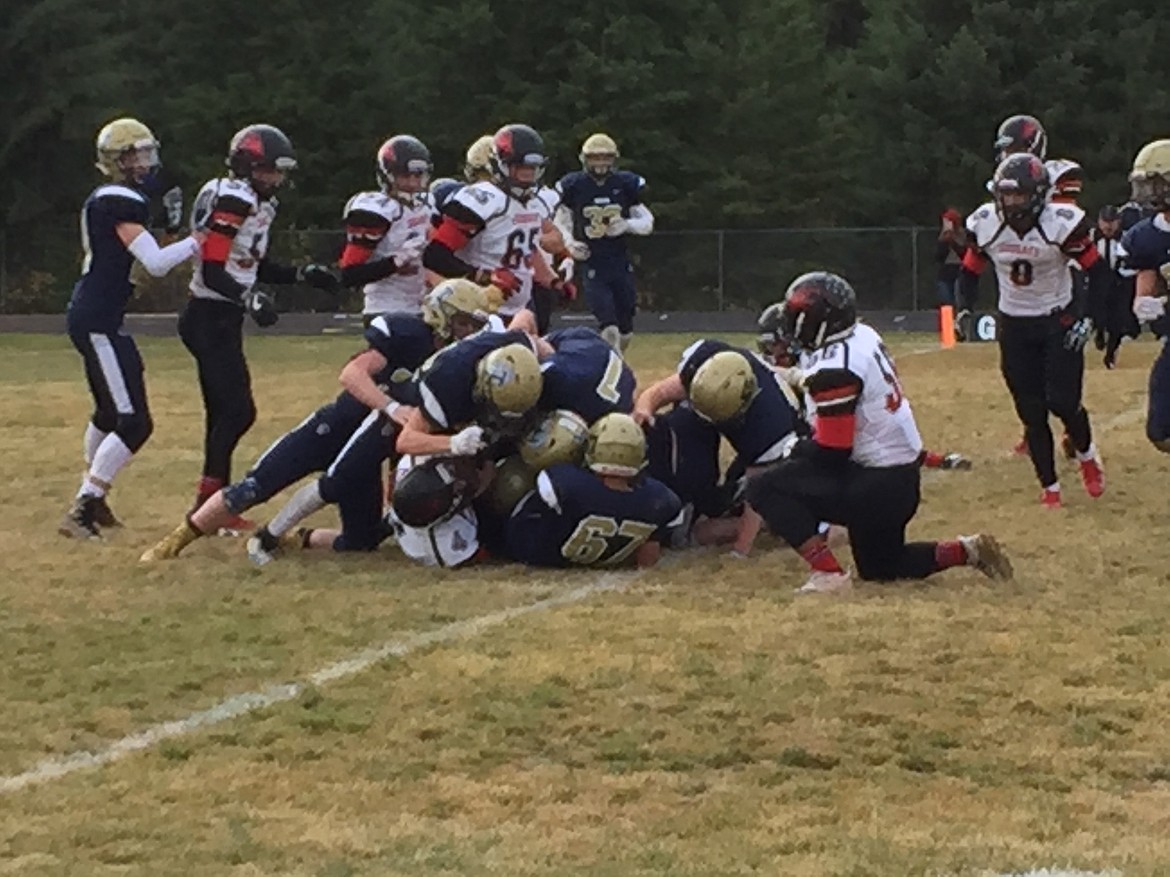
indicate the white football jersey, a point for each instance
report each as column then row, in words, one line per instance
column 449, row 543
column 510, row 235
column 885, row 433
column 250, row 244
column 395, row 293
column 1032, row 270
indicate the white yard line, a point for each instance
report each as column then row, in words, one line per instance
column 241, row 704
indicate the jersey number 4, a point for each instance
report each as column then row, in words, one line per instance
column 600, row 539
column 885, row 365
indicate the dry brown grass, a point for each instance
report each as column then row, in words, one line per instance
column 703, row 722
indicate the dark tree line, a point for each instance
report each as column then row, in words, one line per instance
column 753, row 113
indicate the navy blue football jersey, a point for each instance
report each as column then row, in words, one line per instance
column 573, row 519
column 407, row 342
column 100, row 296
column 593, row 205
column 442, row 191
column 1147, row 244
column 446, row 383
column 757, row 434
column 585, row 375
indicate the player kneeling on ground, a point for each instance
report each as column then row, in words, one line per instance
column 860, row 468
column 601, row 515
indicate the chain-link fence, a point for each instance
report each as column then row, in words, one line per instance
column 891, row 268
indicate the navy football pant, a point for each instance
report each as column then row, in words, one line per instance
column 1043, row 377
column 114, row 371
column 612, row 298
column 1158, row 412
column 213, row 331
column 354, row 482
column 682, row 450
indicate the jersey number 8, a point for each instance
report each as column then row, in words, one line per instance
column 1021, row 272
column 599, row 539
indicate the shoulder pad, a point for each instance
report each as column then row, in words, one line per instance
column 229, row 187
column 549, row 197
column 983, row 223
column 1058, row 221
column 376, row 203
column 483, row 198
column 113, row 190
column 634, row 182
column 1058, row 167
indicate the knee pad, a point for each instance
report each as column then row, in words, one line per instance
column 134, row 429
column 242, row 495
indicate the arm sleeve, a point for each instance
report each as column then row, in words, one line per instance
column 641, row 220
column 227, row 215
column 458, row 225
column 364, row 230
column 158, row 261
column 835, row 393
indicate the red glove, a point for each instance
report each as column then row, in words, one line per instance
column 507, row 282
column 566, row 288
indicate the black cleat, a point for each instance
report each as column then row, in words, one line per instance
column 81, row 520
column 103, row 515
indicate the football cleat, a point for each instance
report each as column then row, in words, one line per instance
column 103, row 515
column 955, row 462
column 827, row 583
column 1093, row 477
column 987, row 555
column 80, row 522
column 1050, row 499
column 263, row 547
column 171, row 545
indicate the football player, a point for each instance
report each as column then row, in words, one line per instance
column 604, row 514
column 737, row 393
column 1045, row 318
column 375, row 382
column 586, row 375
column 1147, row 251
column 386, row 231
column 780, row 352
column 113, row 237
column 600, row 205
column 860, row 467
column 489, row 230
column 236, row 212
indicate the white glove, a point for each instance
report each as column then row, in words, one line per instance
column 1148, row 308
column 468, row 442
column 787, row 444
column 577, row 249
column 565, row 269
column 172, row 201
column 616, row 227
column 410, row 253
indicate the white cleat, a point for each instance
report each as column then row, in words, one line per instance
column 827, row 583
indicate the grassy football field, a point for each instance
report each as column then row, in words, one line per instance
column 694, row 720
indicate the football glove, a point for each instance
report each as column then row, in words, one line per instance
column 1078, row 335
column 468, row 442
column 578, row 250
column 617, row 227
column 567, row 289
column 1148, row 308
column 505, row 281
column 261, row 308
column 172, row 201
column 319, row 276
column 408, row 259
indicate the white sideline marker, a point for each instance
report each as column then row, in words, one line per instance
column 241, row 704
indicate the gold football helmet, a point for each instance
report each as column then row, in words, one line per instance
column 478, row 163
column 513, row 480
column 617, row 446
column 1150, row 179
column 451, row 299
column 508, row 381
column 723, row 387
column 599, row 155
column 126, row 150
column 559, row 437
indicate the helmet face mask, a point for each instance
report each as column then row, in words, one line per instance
column 127, row 151
column 773, row 342
column 616, row 447
column 599, row 155
column 430, row 493
column 262, row 155
column 1020, row 186
column 1150, row 179
column 403, row 169
column 518, row 160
